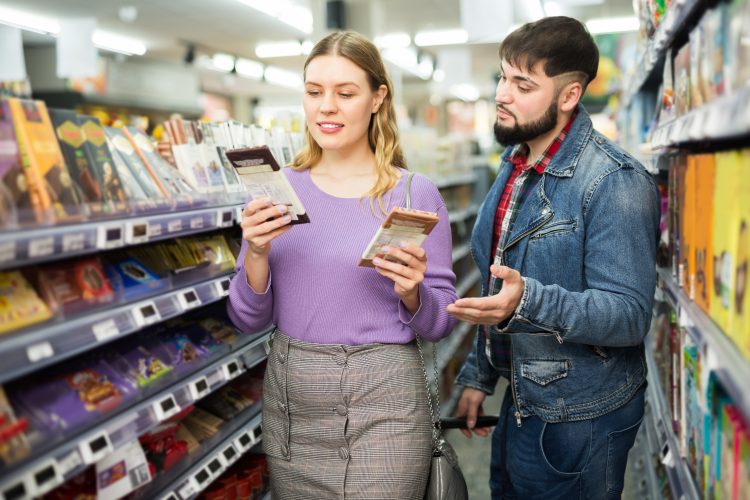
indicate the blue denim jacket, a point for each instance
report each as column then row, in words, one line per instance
column 585, row 243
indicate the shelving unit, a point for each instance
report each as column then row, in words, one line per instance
column 35, row 245
column 197, row 470
column 721, row 355
column 62, row 458
column 33, row 348
column 681, row 481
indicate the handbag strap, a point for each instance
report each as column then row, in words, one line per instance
column 437, row 429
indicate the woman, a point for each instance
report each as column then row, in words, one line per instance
column 344, row 400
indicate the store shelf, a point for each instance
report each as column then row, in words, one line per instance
column 720, row 354
column 35, row 245
column 196, row 471
column 455, row 216
column 454, row 180
column 60, row 459
column 727, row 117
column 679, row 18
column 681, row 481
column 460, row 252
column 651, row 450
column 32, row 348
column 448, row 348
column 467, row 283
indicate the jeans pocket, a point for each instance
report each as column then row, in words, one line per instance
column 618, row 446
column 566, row 446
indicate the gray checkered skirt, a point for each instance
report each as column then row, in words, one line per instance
column 345, row 422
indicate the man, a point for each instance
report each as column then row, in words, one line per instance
column 566, row 243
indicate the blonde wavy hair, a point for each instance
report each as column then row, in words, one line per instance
column 383, row 131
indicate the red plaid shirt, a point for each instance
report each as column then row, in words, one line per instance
column 521, row 183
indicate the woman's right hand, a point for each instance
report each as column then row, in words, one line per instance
column 262, row 221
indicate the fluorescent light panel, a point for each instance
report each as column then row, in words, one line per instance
column 441, row 37
column 392, row 41
column 49, row 26
column 612, row 25
column 223, row 62
column 278, row 49
column 249, row 69
column 282, row 77
column 294, row 15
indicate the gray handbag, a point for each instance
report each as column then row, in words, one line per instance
column 446, row 481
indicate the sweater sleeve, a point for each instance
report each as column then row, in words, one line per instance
column 249, row 311
column 432, row 321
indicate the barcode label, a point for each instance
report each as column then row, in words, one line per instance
column 174, row 225
column 73, row 242
column 139, row 476
column 7, row 251
column 41, row 247
column 196, row 223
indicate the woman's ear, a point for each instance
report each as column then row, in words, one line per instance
column 378, row 98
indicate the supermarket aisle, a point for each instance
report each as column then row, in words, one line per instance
column 474, row 456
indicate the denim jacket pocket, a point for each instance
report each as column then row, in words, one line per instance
column 543, row 372
column 553, row 228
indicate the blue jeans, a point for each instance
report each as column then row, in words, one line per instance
column 584, row 459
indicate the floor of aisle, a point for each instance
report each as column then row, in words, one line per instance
column 474, row 455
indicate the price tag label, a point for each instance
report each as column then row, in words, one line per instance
column 41, row 247
column 196, row 223
column 95, row 448
column 8, row 251
column 73, row 242
column 137, row 232
column 70, row 462
column 154, row 230
column 267, row 347
column 16, row 491
column 39, row 351
column 199, row 388
column 222, row 287
column 224, row 218
column 187, row 490
column 170, row 496
column 244, row 442
column 215, row 467
column 231, row 369
column 228, row 455
column 105, row 330
column 174, row 225
column 188, row 299
column 46, row 477
column 110, row 236
column 200, row 480
column 238, row 214
column 166, row 407
column 146, row 313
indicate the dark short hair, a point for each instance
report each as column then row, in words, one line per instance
column 562, row 43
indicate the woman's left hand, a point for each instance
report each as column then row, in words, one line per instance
column 406, row 274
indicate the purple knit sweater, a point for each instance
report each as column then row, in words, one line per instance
column 316, row 291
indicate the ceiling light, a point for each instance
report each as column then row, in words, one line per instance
column 278, row 49
column 441, row 37
column 404, row 58
column 438, row 75
column 392, row 41
column 612, row 25
column 29, row 22
column 307, row 47
column 223, row 62
column 49, row 26
column 282, row 77
column 116, row 43
column 248, row 68
column 294, row 15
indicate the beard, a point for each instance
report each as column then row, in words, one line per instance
column 518, row 133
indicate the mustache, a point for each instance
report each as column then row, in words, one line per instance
column 499, row 107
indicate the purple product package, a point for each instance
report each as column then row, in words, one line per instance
column 140, row 365
column 15, row 199
column 71, row 399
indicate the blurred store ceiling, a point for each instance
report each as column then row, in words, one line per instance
column 180, row 30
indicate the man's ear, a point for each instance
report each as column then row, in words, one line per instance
column 379, row 97
column 570, row 96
